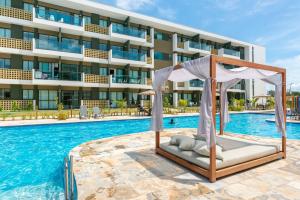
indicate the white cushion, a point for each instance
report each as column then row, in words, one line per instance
column 175, row 140
column 204, row 150
column 187, row 144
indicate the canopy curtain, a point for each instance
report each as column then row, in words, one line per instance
column 224, row 100
column 279, row 114
column 160, row 77
column 200, row 68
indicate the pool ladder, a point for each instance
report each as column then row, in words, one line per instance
column 69, row 178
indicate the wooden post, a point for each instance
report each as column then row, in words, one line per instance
column 212, row 166
column 220, row 113
column 157, row 139
column 283, row 75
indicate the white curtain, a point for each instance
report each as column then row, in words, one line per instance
column 200, row 68
column 160, row 76
column 224, row 100
column 279, row 114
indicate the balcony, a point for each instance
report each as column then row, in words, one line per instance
column 15, row 76
column 124, row 81
column 229, row 53
column 15, row 13
column 196, row 83
column 93, row 78
column 66, row 50
column 96, row 29
column 15, row 46
column 95, row 55
column 61, row 76
column 118, row 57
column 193, row 85
column 123, row 34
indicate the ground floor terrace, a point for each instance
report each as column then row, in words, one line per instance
column 126, row 167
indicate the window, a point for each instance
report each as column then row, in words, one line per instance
column 86, row 95
column 87, row 44
column 49, row 70
column 4, row 63
column 27, row 94
column 87, row 69
column 28, row 36
column 27, row 65
column 87, row 20
column 41, row 12
column 47, row 99
column 103, row 23
column 5, row 3
column 28, row 7
column 5, row 33
column 103, row 47
column 162, row 56
column 161, row 36
column 103, row 95
column 103, row 71
column 4, row 93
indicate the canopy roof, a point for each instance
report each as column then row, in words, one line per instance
column 181, row 74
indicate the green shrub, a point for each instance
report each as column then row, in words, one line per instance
column 15, row 106
column 237, row 105
column 62, row 116
column 183, row 103
column 166, row 102
column 29, row 106
column 1, row 109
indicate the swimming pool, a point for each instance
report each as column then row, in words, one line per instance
column 31, row 157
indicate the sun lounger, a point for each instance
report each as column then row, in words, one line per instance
column 97, row 112
column 83, row 113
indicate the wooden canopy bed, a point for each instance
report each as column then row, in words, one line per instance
column 212, row 172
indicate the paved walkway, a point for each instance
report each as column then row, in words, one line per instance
column 126, row 167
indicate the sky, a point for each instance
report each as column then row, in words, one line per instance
column 274, row 24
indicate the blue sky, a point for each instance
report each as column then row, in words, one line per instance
column 274, row 24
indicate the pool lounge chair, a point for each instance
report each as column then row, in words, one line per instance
column 83, row 113
column 97, row 113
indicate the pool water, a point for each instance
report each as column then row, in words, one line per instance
column 31, row 157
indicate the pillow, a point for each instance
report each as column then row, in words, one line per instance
column 204, row 151
column 187, row 144
column 175, row 140
column 199, row 137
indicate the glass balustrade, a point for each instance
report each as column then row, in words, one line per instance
column 128, row 55
column 201, row 46
column 127, row 80
column 116, row 28
column 58, row 16
column 69, row 47
column 196, row 83
column 64, row 76
column 232, row 52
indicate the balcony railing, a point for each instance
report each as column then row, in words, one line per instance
column 63, row 76
column 94, row 53
column 129, row 80
column 22, row 104
column 149, row 60
column 196, row 83
column 96, row 29
column 95, row 103
column 93, row 78
column 57, row 46
column 57, row 16
column 15, row 43
column 201, row 46
column 128, row 31
column 180, row 45
column 15, row 74
column 15, row 13
column 127, row 55
column 180, row 84
column 232, row 52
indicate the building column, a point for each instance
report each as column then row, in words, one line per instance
column 36, row 96
column 175, row 99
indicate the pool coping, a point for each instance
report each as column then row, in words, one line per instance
column 16, row 123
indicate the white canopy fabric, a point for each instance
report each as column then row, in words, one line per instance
column 200, row 69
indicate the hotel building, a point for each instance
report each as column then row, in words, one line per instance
column 83, row 52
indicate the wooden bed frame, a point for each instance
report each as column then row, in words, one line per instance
column 212, row 173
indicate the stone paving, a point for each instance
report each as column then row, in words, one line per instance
column 126, row 167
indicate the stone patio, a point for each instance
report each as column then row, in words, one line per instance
column 126, row 167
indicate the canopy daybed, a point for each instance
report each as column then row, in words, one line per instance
column 239, row 154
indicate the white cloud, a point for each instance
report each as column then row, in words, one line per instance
column 134, row 4
column 292, row 64
column 167, row 13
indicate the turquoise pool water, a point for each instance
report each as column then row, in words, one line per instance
column 31, row 157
